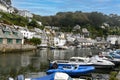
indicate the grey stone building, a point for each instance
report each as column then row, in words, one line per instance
column 9, row 35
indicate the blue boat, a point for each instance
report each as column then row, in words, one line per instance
column 73, row 71
column 115, row 54
column 54, row 76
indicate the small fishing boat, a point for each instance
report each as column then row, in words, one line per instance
column 73, row 70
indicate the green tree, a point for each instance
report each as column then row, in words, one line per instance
column 35, row 41
column 97, row 19
column 33, row 23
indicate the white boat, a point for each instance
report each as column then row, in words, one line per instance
column 79, row 46
column 72, row 61
column 52, row 47
column 106, row 56
column 71, row 47
column 100, row 62
column 96, row 61
column 116, row 61
column 62, row 47
column 80, row 61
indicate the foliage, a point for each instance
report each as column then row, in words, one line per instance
column 33, row 23
column 35, row 41
column 97, row 19
column 14, row 19
column 113, row 75
column 37, row 17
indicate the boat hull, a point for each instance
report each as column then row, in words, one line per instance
column 81, row 70
column 97, row 66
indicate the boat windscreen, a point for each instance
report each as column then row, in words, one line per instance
column 62, row 61
column 72, row 60
column 80, row 60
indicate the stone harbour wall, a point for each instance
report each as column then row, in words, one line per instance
column 16, row 48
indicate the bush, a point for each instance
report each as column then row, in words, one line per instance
column 113, row 75
column 35, row 41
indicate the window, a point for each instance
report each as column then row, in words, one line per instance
column 1, row 40
column 72, row 60
column 80, row 60
column 7, row 33
column 18, row 41
column 15, row 33
column 9, row 41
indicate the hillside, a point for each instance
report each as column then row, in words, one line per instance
column 14, row 19
column 72, row 18
column 67, row 20
column 92, row 21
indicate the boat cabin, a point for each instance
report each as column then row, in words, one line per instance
column 78, row 59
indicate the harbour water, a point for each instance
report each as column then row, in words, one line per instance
column 30, row 63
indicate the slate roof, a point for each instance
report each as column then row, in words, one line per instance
column 9, row 32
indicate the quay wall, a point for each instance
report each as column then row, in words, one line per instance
column 16, row 48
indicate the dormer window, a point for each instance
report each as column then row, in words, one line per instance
column 6, row 32
column 15, row 33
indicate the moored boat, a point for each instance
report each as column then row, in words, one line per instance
column 115, row 54
column 73, row 61
column 100, row 62
column 85, row 61
column 107, row 56
column 74, row 71
column 97, row 62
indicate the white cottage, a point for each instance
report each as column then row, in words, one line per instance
column 112, row 39
column 3, row 7
column 60, row 40
column 26, row 33
column 25, row 13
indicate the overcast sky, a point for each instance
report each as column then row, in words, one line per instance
column 51, row 7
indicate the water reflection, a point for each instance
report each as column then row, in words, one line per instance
column 25, row 60
column 12, row 64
